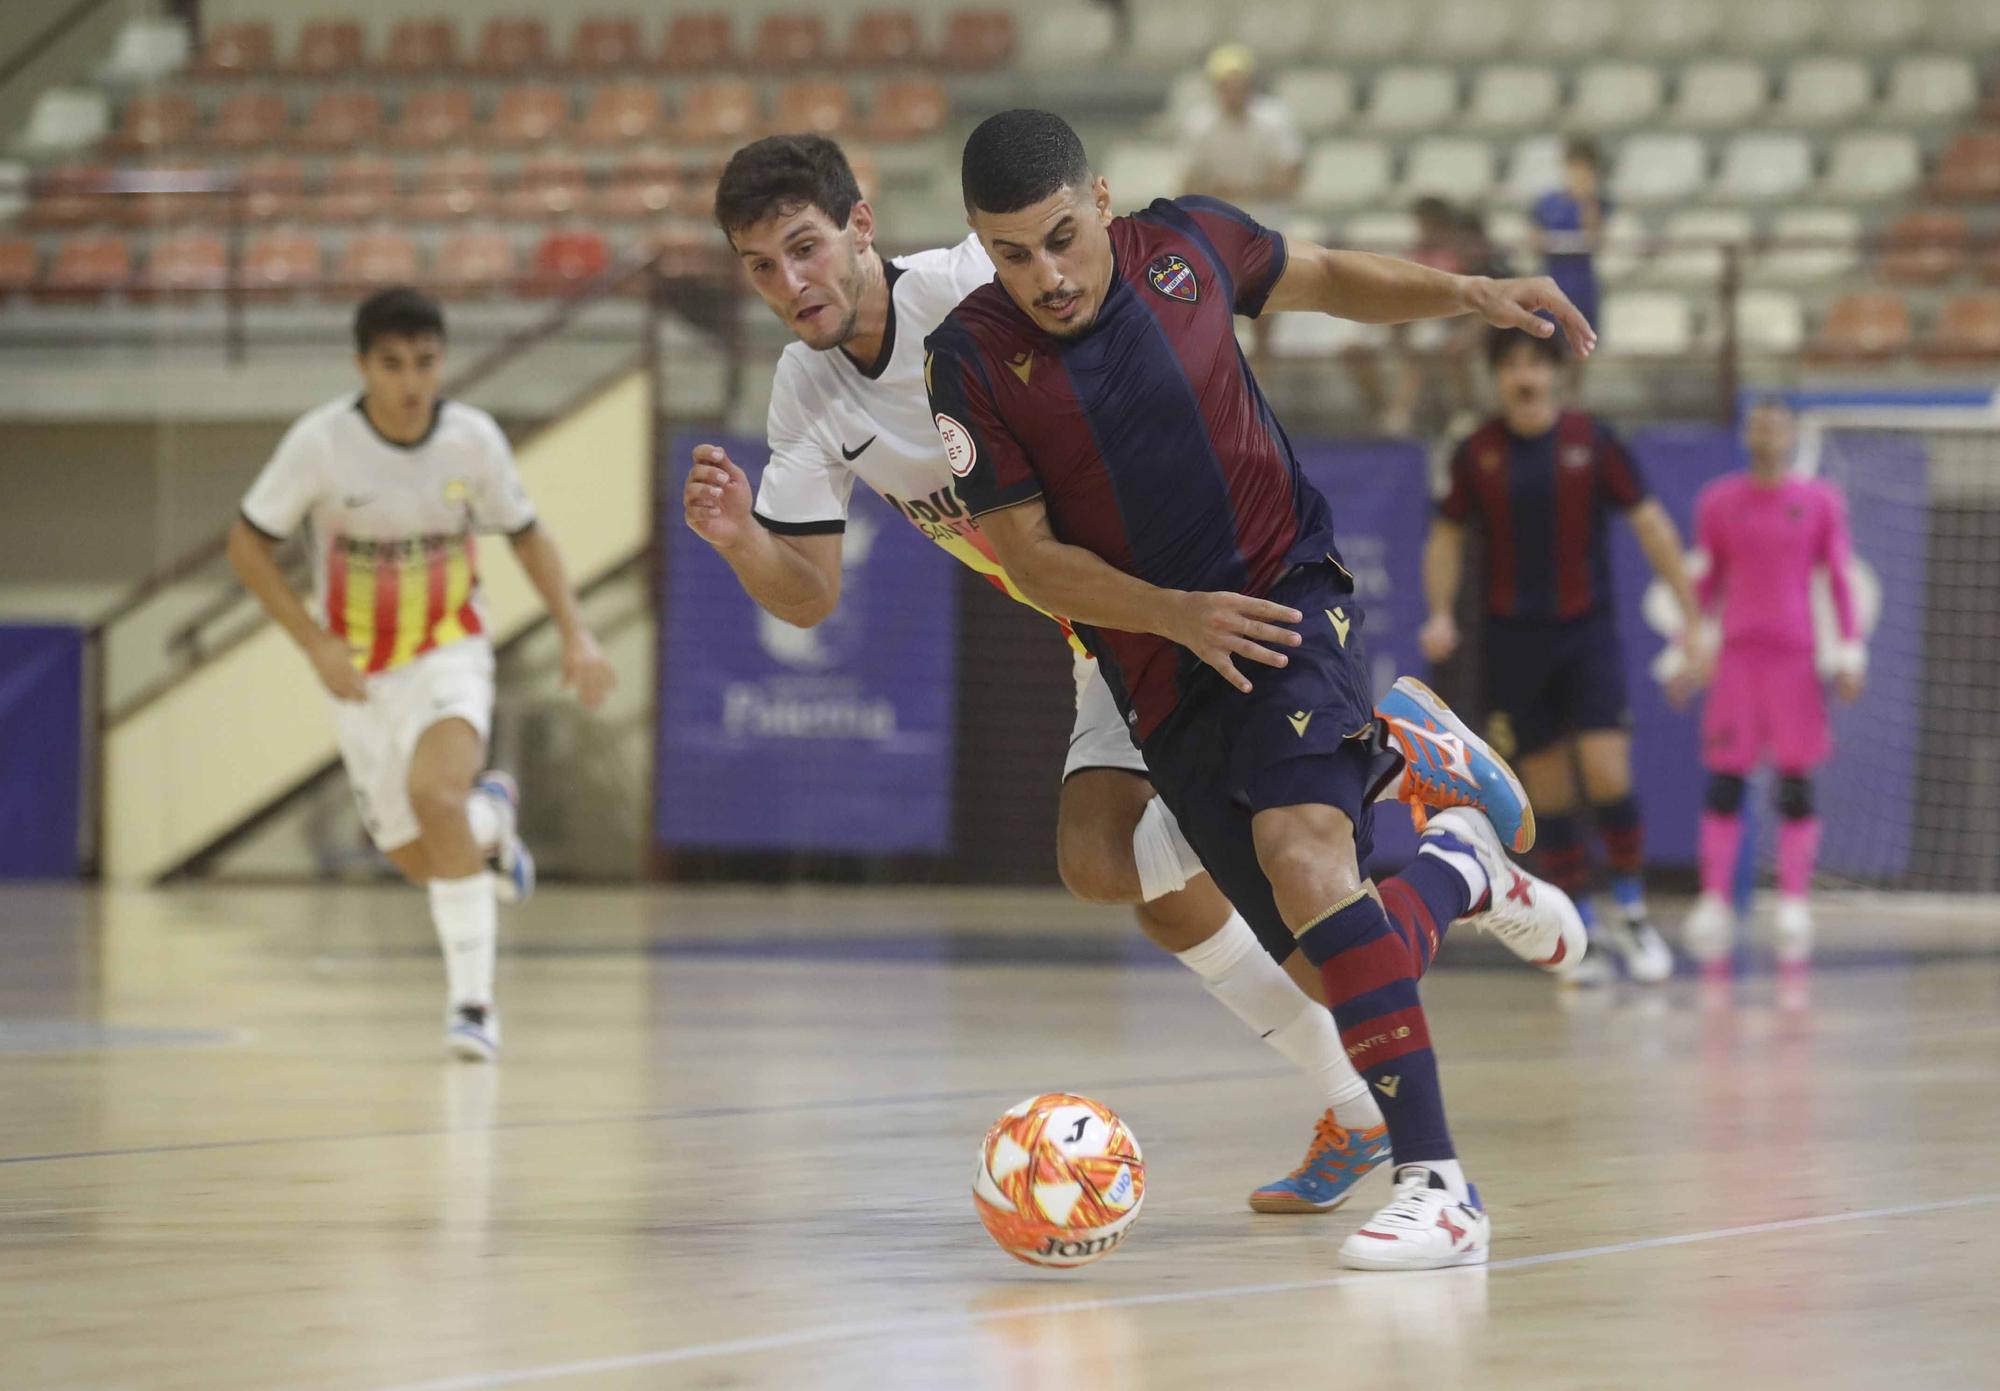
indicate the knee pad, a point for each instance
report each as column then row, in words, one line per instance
column 1725, row 793
column 1795, row 797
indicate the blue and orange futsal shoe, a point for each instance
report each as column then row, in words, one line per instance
column 1337, row 1161
column 1447, row 765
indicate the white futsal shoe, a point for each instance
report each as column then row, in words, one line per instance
column 1424, row 1227
column 1794, row 926
column 512, row 864
column 1637, row 943
column 1710, row 930
column 1532, row 917
column 472, row 1033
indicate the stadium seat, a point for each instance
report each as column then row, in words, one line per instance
column 699, row 43
column 647, row 184
column 1656, row 169
column 1867, row 326
column 1411, row 99
column 173, row 207
column 374, row 261
column 564, row 259
column 622, row 113
column 884, row 39
column 512, row 47
column 449, row 187
column 1924, row 248
column 1673, row 30
column 1344, row 174
column 1067, row 38
column 422, row 47
column 1968, row 26
column 154, row 121
column 88, row 266
column 248, row 121
column 1513, row 98
column 358, row 188
column 279, row 263
column 1473, row 31
column 1931, row 91
column 1969, row 170
column 1624, row 246
column 1874, row 26
column 1321, row 100
column 64, row 120
column 976, row 40
column 1611, row 96
column 432, row 117
column 145, row 51
column 232, row 50
column 1318, row 335
column 786, row 43
column 529, row 115
column 1282, row 33
column 1513, row 235
column 341, row 119
column 823, row 107
column 1646, row 323
column 547, row 186
column 1141, row 170
column 273, row 188
column 606, row 43
column 1773, row 28
column 1362, row 35
column 328, row 48
column 69, row 195
column 1867, row 166
column 1169, row 35
column 1763, row 169
column 1967, row 330
column 1392, row 233
column 184, row 263
column 20, row 265
column 1989, row 264
column 1571, row 29
column 908, row 109
column 1719, row 93
column 469, row 263
column 1824, row 92
column 1695, row 245
column 1534, row 166
column 1449, row 167
column 1770, row 322
column 1808, row 244
column 722, row 112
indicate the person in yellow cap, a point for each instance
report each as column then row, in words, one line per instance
column 1242, row 146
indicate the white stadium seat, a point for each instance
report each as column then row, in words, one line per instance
column 1770, row 322
column 1471, row 31
column 1066, row 38
column 1971, row 26
column 1452, row 168
column 1357, row 34
column 1344, row 174
column 1321, row 100
column 1870, row 165
column 1140, row 171
column 1640, row 323
column 1874, row 26
column 147, row 50
column 1412, row 99
column 1931, row 91
column 1805, row 244
column 64, row 120
column 1610, row 96
column 1824, row 92
column 1513, row 235
column 1280, row 32
column 1513, row 98
column 1673, row 29
column 1318, row 335
column 1656, row 169
column 1168, row 35
column 1623, row 247
column 1773, row 27
column 1719, row 93
column 1694, row 245
column 1391, row 232
column 1571, row 28
column 1764, row 169
column 1535, row 167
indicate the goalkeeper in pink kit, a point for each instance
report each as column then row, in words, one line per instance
column 1765, row 531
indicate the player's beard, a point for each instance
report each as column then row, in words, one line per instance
column 853, row 285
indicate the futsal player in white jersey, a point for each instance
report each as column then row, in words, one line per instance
column 849, row 402
column 391, row 485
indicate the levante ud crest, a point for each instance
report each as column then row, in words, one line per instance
column 1174, row 278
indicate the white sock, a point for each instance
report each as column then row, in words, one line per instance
column 467, row 917
column 1453, row 1174
column 1165, row 860
column 1254, row 988
column 1468, row 866
column 483, row 816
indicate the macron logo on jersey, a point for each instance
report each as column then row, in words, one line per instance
column 959, row 450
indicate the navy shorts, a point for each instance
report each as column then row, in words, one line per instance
column 1548, row 680
column 1304, row 734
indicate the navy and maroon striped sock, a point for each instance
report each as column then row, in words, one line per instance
column 1423, row 902
column 1565, row 863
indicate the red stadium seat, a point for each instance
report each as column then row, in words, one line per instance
column 1969, row 171
column 1967, row 331
column 88, row 266
column 1924, row 248
column 273, row 188
column 341, row 119
column 699, row 43
column 529, row 116
column 1863, row 327
column 359, row 188
column 185, row 263
column 647, row 185
column 20, row 264
column 789, row 42
column 722, row 113
column 70, row 195
column 154, row 121
column 449, row 187
column 249, row 121
column 281, row 263
column 422, row 46
column 374, row 261
column 621, row 114
column 549, row 186
column 511, row 47
column 431, row 118
column 232, row 50
column 473, row 263
column 328, row 48
column 912, row 109
column 885, row 39
column 823, row 108
column 171, row 207
column 976, row 40
column 565, row 259
column 606, row 44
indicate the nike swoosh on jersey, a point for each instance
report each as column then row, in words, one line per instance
column 852, row 454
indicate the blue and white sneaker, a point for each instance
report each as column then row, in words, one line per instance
column 472, row 1033
column 1337, row 1161
column 1450, row 766
column 512, row 865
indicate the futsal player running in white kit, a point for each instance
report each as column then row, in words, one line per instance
column 392, row 484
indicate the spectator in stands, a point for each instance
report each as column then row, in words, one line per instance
column 1569, row 223
column 1242, row 146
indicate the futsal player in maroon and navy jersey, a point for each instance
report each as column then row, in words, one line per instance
column 1108, row 434
column 1541, row 484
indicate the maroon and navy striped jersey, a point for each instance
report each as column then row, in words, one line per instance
column 1147, row 438
column 1542, row 505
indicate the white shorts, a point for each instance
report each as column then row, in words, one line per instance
column 379, row 736
column 1099, row 738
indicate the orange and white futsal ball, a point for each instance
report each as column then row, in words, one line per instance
column 1060, row 1180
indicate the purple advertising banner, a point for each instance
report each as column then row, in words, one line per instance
column 41, row 761
column 1380, row 494
column 832, row 738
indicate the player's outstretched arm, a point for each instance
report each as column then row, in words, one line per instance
column 1373, row 289
column 1444, row 564
column 1080, row 585
column 585, row 669
column 253, row 557
column 795, row 578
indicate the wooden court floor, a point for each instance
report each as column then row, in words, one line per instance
column 730, row 1143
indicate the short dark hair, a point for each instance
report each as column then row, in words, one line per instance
column 1502, row 341
column 397, row 312
column 781, row 174
column 1583, row 150
column 1017, row 158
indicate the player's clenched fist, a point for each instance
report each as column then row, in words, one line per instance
column 716, row 500
column 1438, row 638
column 1220, row 627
